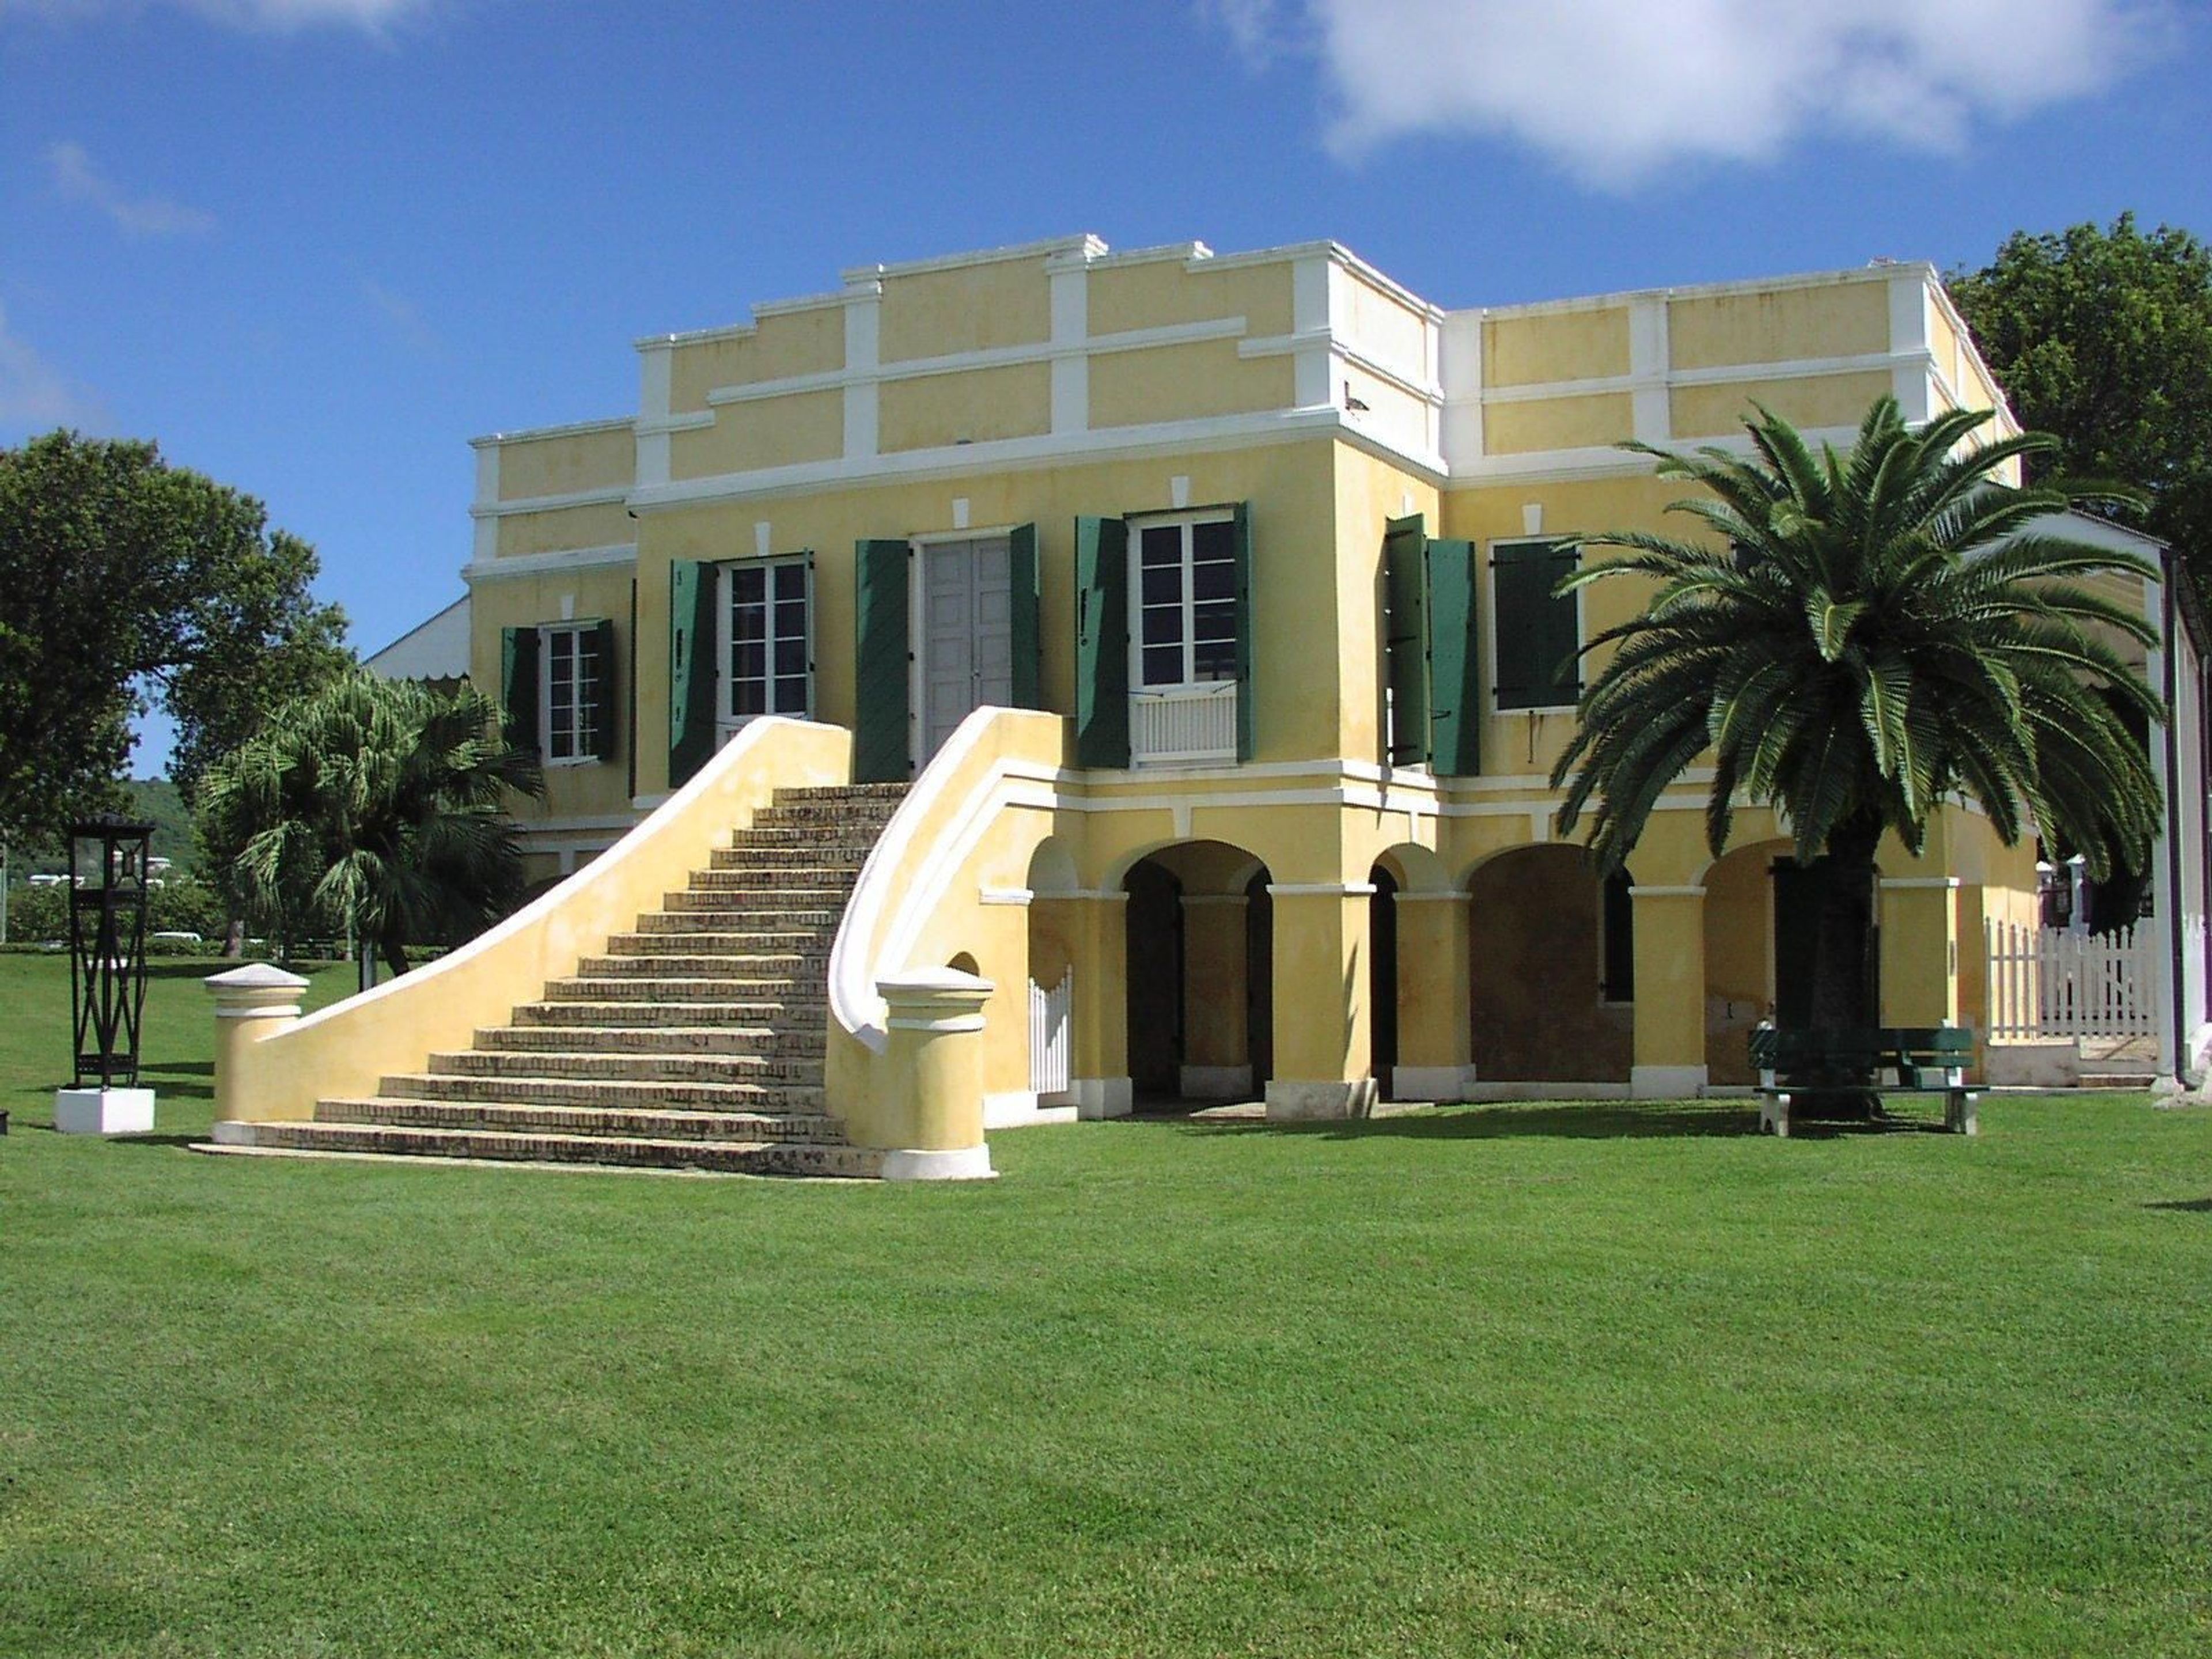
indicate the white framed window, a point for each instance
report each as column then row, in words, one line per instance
column 571, row 688
column 767, row 640
column 1182, row 601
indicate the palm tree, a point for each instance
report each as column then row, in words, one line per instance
column 375, row 806
column 1866, row 636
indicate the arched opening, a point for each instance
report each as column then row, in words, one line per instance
column 1051, row 885
column 1383, row 980
column 1545, row 1003
column 1739, row 956
column 1200, row 949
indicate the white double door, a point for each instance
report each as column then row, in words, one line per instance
column 967, row 655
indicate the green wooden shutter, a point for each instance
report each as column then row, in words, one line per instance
column 1406, row 638
column 691, row 668
column 603, row 729
column 1241, row 518
column 881, row 661
column 1454, row 661
column 1028, row 635
column 1538, row 631
column 518, row 686
column 1101, row 642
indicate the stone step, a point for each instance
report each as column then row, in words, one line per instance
column 783, row 992
column 722, row 1157
column 640, row 1012
column 841, row 840
column 604, row 1092
column 753, row 942
column 815, row 1128
column 804, row 853
column 600, row 1065
column 2123, row 1080
column 764, row 1039
column 839, row 791
column 751, row 971
column 662, row 924
column 763, row 903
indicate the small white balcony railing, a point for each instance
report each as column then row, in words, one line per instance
column 1184, row 725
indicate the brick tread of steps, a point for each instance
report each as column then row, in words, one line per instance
column 734, row 970
column 686, row 987
column 604, row 1091
column 385, row 1111
column 768, row 1041
column 704, row 942
column 678, row 924
column 637, row 1014
column 732, row 1156
column 796, row 1072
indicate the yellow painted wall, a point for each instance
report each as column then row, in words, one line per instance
column 780, row 346
column 1160, row 292
column 1826, row 320
column 1826, row 400
column 561, row 465
column 1185, row 382
column 783, row 431
column 931, row 314
column 603, row 525
column 974, row 407
column 1538, row 348
column 1585, row 423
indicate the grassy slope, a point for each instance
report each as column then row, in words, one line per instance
column 1537, row 1380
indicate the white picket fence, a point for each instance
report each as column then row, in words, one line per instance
column 1049, row 1011
column 2045, row 982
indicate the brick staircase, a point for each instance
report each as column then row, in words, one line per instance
column 695, row 1043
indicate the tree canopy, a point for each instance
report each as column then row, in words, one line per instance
column 375, row 807
column 1856, row 639
column 2103, row 339
column 126, row 583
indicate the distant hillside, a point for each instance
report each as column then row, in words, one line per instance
column 155, row 800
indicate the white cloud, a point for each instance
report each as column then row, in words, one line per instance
column 35, row 395
column 1616, row 90
column 76, row 177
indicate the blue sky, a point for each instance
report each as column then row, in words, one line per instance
column 311, row 247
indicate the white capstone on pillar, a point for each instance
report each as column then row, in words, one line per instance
column 251, row 1003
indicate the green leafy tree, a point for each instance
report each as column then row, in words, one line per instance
column 126, row 583
column 1861, row 637
column 2103, row 339
column 375, row 807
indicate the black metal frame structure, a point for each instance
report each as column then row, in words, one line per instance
column 107, row 947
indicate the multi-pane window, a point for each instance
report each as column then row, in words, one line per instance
column 573, row 673
column 766, row 670
column 1186, row 602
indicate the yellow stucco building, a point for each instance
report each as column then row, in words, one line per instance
column 1192, row 617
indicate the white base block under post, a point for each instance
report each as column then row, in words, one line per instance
column 966, row 1164
column 104, row 1111
column 1667, row 1082
column 1097, row 1097
column 1436, row 1083
column 1310, row 1103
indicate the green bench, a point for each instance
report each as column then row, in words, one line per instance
column 1901, row 1059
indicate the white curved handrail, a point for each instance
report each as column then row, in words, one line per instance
column 902, row 884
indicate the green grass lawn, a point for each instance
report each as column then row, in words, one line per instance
column 1535, row 1381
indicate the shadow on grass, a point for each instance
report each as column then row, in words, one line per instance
column 1557, row 1120
column 2184, row 1206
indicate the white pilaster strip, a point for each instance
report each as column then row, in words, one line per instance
column 1647, row 368
column 1460, row 374
column 1313, row 365
column 487, row 533
column 863, row 310
column 1070, row 324
column 1909, row 300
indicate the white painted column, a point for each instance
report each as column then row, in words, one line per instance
column 1654, row 413
column 1909, row 377
column 1070, row 277
column 864, row 311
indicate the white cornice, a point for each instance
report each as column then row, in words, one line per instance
column 1605, row 461
column 541, row 564
column 1878, row 273
column 990, row 256
column 570, row 429
column 605, row 496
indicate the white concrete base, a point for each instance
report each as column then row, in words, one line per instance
column 1216, row 1083
column 1102, row 1097
column 1432, row 1083
column 229, row 1132
column 1310, row 1103
column 1019, row 1108
column 104, row 1111
column 1505, row 1089
column 1666, row 1082
column 2054, row 1063
column 968, row 1164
